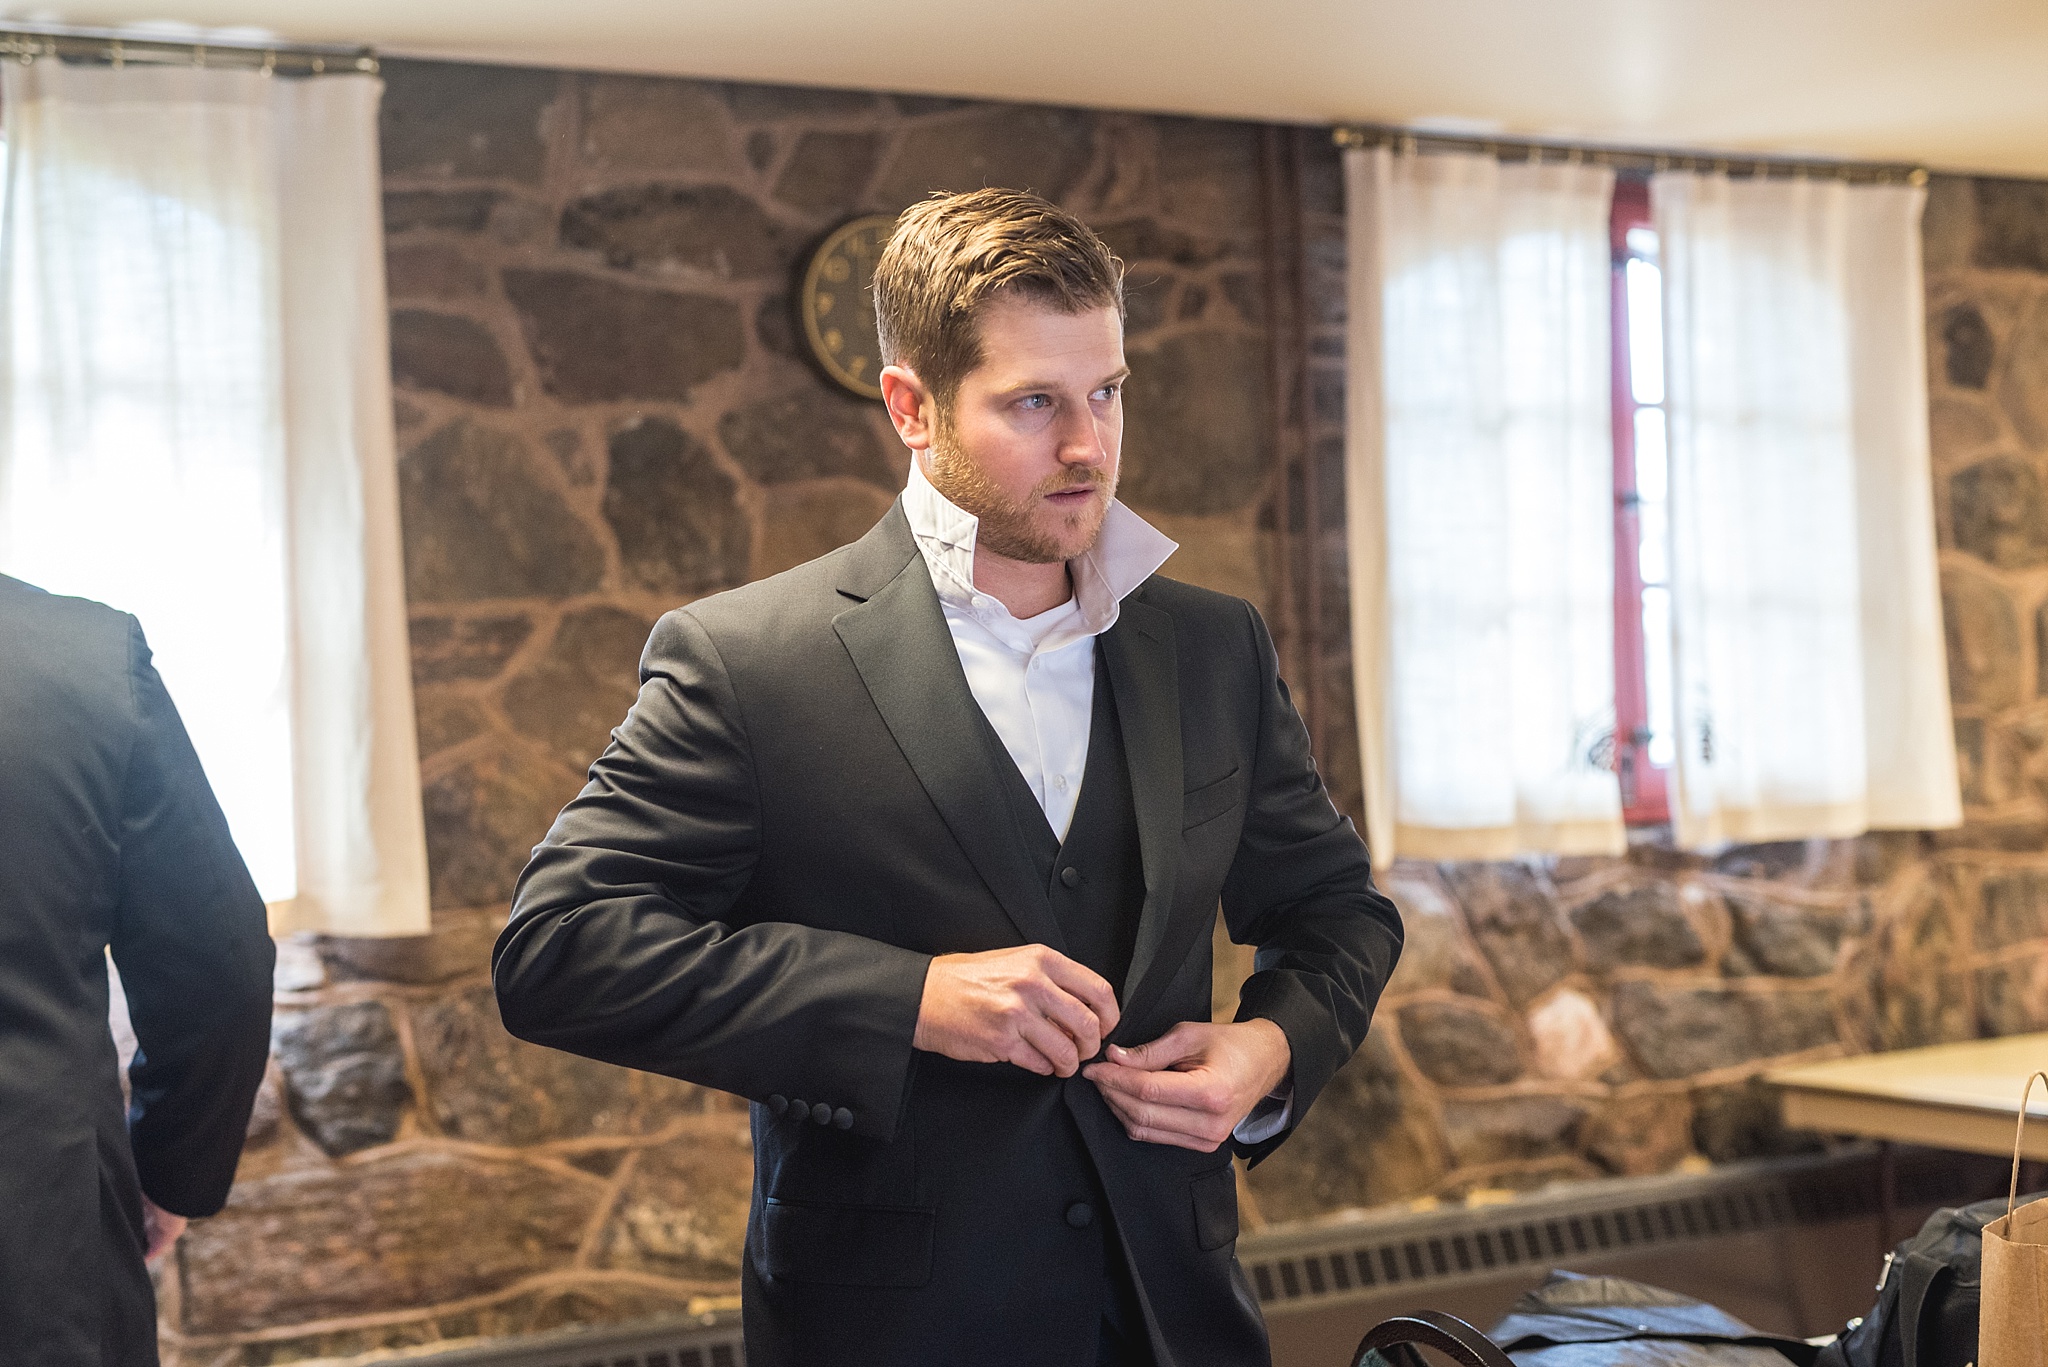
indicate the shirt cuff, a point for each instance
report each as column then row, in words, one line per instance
column 1274, row 1113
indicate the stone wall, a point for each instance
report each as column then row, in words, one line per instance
column 602, row 414
column 1577, row 1017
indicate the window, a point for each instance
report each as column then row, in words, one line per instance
column 1645, row 735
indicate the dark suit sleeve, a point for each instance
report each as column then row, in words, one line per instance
column 621, row 947
column 1300, row 889
column 195, row 958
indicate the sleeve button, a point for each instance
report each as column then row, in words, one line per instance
column 821, row 1114
column 777, row 1104
column 842, row 1119
column 797, row 1109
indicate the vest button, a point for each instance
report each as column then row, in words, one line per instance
column 821, row 1114
column 842, row 1119
column 1080, row 1215
column 1071, row 876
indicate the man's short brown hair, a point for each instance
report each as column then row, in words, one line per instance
column 951, row 253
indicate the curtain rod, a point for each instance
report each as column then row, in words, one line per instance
column 118, row 48
column 1408, row 141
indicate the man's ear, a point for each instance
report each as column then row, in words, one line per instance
column 910, row 406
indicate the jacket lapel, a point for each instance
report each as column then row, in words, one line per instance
column 1145, row 680
column 896, row 634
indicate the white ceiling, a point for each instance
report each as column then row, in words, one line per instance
column 1957, row 84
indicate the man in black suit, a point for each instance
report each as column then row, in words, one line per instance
column 110, row 836
column 919, row 847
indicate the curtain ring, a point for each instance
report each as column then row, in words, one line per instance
column 118, row 57
column 269, row 62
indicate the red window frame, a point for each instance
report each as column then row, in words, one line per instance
column 1645, row 797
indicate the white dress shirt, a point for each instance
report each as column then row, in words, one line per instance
column 1034, row 677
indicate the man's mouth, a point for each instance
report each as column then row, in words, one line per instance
column 1068, row 498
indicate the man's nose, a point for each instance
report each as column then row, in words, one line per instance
column 1083, row 442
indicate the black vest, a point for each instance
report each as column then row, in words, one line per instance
column 1094, row 880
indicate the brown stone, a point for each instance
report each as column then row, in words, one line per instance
column 761, row 145
column 1195, row 424
column 1638, row 1136
column 804, row 521
column 666, row 228
column 1511, row 1129
column 1948, row 227
column 828, row 171
column 1960, row 426
column 483, row 819
column 571, row 697
column 1017, row 147
column 459, row 211
column 464, row 120
column 445, row 720
column 2023, row 392
column 754, row 103
column 683, row 1212
column 1967, row 347
column 434, row 270
column 344, row 1074
column 811, row 433
column 1456, row 1045
column 489, row 1088
column 1984, row 666
column 1247, row 294
column 653, row 123
column 596, row 341
column 1368, row 1139
column 1570, row 1037
column 407, row 1231
column 1783, row 938
column 1996, row 509
column 2012, row 224
column 675, row 511
column 775, row 326
column 450, row 649
column 1677, row 1031
column 1434, row 952
column 1209, row 177
column 1515, row 922
column 1745, row 1120
column 1148, row 240
column 449, row 354
column 482, row 520
column 458, row 945
column 1146, row 297
column 1638, row 926
column 2012, row 998
column 2015, row 908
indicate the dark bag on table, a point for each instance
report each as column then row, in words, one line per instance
column 1927, row 1300
column 1579, row 1321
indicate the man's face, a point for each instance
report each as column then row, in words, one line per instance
column 1030, row 442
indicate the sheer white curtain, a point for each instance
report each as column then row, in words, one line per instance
column 1480, row 486
column 195, row 426
column 1811, row 693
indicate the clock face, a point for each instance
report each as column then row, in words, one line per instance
column 837, row 302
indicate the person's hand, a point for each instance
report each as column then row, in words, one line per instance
column 160, row 1228
column 1031, row 1006
column 1194, row 1084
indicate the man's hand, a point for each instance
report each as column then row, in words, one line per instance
column 160, row 1228
column 1031, row 1006
column 1194, row 1084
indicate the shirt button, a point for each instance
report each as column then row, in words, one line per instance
column 1071, row 876
column 1080, row 1215
column 980, row 601
column 1060, row 782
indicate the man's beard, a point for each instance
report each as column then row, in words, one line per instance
column 1007, row 526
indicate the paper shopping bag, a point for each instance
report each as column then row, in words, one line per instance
column 2012, row 1317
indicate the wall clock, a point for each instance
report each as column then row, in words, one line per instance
column 837, row 304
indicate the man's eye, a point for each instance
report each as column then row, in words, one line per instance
column 1036, row 401
column 1108, row 392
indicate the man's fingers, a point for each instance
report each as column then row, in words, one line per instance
column 1197, row 1091
column 1178, row 1045
column 1053, row 1044
column 1093, row 990
column 1073, row 1016
column 1154, row 1125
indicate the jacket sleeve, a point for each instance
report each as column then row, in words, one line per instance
column 195, row 958
column 621, row 945
column 1301, row 891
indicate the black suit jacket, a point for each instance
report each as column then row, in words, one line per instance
column 109, row 835
column 796, row 815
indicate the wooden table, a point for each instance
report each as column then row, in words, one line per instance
column 1947, row 1096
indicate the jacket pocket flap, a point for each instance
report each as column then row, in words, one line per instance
column 1215, row 1196
column 847, row 1245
